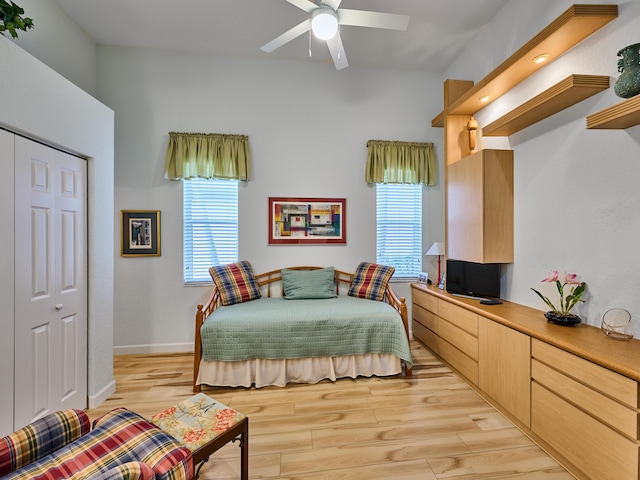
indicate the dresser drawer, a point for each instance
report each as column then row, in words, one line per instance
column 458, row 360
column 461, row 317
column 425, row 317
column 463, row 341
column 426, row 336
column 615, row 414
column 424, row 299
column 597, row 450
column 599, row 378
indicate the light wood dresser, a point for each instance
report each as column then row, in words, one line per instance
column 573, row 390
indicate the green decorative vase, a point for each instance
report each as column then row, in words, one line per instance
column 628, row 83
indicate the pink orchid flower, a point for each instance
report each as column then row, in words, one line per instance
column 572, row 278
column 552, row 276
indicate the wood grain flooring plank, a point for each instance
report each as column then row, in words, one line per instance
column 412, row 470
column 332, row 458
column 475, row 406
column 270, row 425
column 325, row 437
column 492, row 464
column 481, row 441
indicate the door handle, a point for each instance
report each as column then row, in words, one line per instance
column 59, row 306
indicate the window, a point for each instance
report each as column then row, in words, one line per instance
column 210, row 233
column 399, row 228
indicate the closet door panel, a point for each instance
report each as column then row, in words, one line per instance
column 50, row 252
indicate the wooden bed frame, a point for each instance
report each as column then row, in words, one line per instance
column 267, row 282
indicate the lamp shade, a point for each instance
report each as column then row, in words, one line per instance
column 436, row 249
column 324, row 23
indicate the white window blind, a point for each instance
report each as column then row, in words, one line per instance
column 399, row 228
column 210, row 233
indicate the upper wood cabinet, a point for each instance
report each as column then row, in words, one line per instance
column 480, row 207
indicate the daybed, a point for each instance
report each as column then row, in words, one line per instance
column 299, row 324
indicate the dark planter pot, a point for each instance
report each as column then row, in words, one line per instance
column 565, row 320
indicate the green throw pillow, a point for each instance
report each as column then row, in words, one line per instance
column 302, row 284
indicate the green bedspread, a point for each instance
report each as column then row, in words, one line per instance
column 279, row 328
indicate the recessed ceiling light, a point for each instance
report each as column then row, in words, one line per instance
column 484, row 98
column 541, row 58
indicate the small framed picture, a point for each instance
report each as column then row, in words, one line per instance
column 140, row 233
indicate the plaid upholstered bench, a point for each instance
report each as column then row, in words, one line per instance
column 205, row 425
column 121, row 445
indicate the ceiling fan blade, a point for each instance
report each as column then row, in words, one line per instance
column 334, row 4
column 362, row 18
column 305, row 5
column 287, row 36
column 337, row 52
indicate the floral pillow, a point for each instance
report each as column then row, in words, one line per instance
column 370, row 281
column 236, row 282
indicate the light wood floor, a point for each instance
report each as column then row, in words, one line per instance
column 431, row 426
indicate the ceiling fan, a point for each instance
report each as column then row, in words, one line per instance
column 324, row 20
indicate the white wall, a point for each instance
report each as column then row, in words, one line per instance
column 577, row 201
column 41, row 104
column 308, row 125
column 59, row 43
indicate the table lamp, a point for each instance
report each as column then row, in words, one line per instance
column 437, row 249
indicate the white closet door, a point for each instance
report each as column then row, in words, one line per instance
column 50, row 281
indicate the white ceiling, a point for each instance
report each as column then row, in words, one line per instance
column 437, row 31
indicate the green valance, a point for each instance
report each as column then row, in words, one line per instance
column 400, row 162
column 207, row 155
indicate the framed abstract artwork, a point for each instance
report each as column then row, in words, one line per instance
column 307, row 220
column 140, row 233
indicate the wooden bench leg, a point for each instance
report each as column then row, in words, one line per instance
column 244, row 450
column 238, row 433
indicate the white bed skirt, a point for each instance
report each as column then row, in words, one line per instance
column 279, row 372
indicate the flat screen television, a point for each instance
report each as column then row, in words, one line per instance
column 473, row 279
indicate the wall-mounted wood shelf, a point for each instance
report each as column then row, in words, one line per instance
column 439, row 120
column 574, row 25
column 619, row 116
column 563, row 94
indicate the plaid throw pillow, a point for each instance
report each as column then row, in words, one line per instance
column 236, row 282
column 370, row 281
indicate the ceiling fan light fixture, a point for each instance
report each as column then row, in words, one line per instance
column 324, row 23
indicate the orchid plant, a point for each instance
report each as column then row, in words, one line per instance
column 573, row 295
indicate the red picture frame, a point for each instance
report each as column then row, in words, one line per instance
column 294, row 221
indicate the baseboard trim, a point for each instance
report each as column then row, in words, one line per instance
column 99, row 398
column 153, row 348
